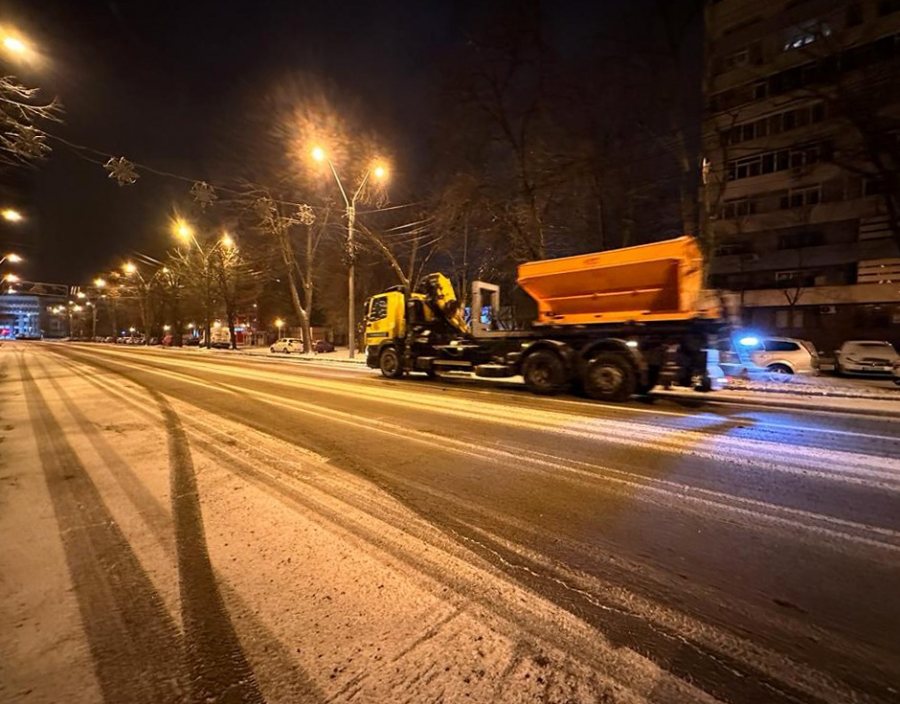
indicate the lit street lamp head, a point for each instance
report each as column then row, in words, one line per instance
column 318, row 154
column 379, row 172
column 11, row 278
column 99, row 282
column 182, row 230
column 14, row 45
column 129, row 268
column 11, row 215
column 12, row 257
column 227, row 241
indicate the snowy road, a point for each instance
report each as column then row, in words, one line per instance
column 187, row 528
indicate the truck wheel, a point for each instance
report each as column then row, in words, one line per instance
column 389, row 363
column 544, row 372
column 609, row 377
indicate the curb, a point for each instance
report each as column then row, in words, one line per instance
column 714, row 398
column 297, row 358
column 832, row 394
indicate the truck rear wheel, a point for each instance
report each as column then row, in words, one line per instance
column 389, row 363
column 609, row 377
column 545, row 373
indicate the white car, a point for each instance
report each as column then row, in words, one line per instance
column 782, row 357
column 287, row 345
column 866, row 357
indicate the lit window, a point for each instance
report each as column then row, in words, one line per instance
column 808, row 33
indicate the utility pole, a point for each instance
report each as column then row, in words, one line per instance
column 379, row 172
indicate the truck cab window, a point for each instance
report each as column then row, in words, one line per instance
column 379, row 308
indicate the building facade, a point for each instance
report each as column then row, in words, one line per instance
column 20, row 316
column 800, row 139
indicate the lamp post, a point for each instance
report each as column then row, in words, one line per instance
column 143, row 290
column 279, row 323
column 378, row 172
column 185, row 232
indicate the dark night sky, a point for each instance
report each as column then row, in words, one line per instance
column 159, row 81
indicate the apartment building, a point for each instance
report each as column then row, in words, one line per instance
column 801, row 138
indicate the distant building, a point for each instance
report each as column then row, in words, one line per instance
column 801, row 137
column 20, row 316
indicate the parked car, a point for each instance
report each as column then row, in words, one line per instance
column 897, row 372
column 774, row 358
column 287, row 345
column 320, row 346
column 866, row 357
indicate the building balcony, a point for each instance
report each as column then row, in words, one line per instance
column 823, row 295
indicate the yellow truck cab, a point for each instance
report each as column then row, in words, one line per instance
column 400, row 323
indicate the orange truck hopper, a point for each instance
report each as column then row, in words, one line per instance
column 661, row 281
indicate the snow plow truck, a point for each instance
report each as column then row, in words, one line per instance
column 609, row 325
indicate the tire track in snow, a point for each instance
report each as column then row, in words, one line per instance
column 298, row 688
column 135, row 645
column 216, row 664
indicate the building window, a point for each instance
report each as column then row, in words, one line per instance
column 739, row 207
column 806, row 34
column 872, row 186
column 732, row 249
column 817, row 112
column 738, row 58
column 800, row 197
column 780, row 160
column 887, row 7
column 786, row 319
column 799, row 240
column 775, row 124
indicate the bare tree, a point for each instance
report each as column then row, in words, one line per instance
column 275, row 220
column 22, row 140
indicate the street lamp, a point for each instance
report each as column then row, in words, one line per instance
column 380, row 172
column 11, row 278
column 183, row 230
column 12, row 257
column 279, row 323
column 11, row 215
column 100, row 282
column 15, row 45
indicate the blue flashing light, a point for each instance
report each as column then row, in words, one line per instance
column 749, row 341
